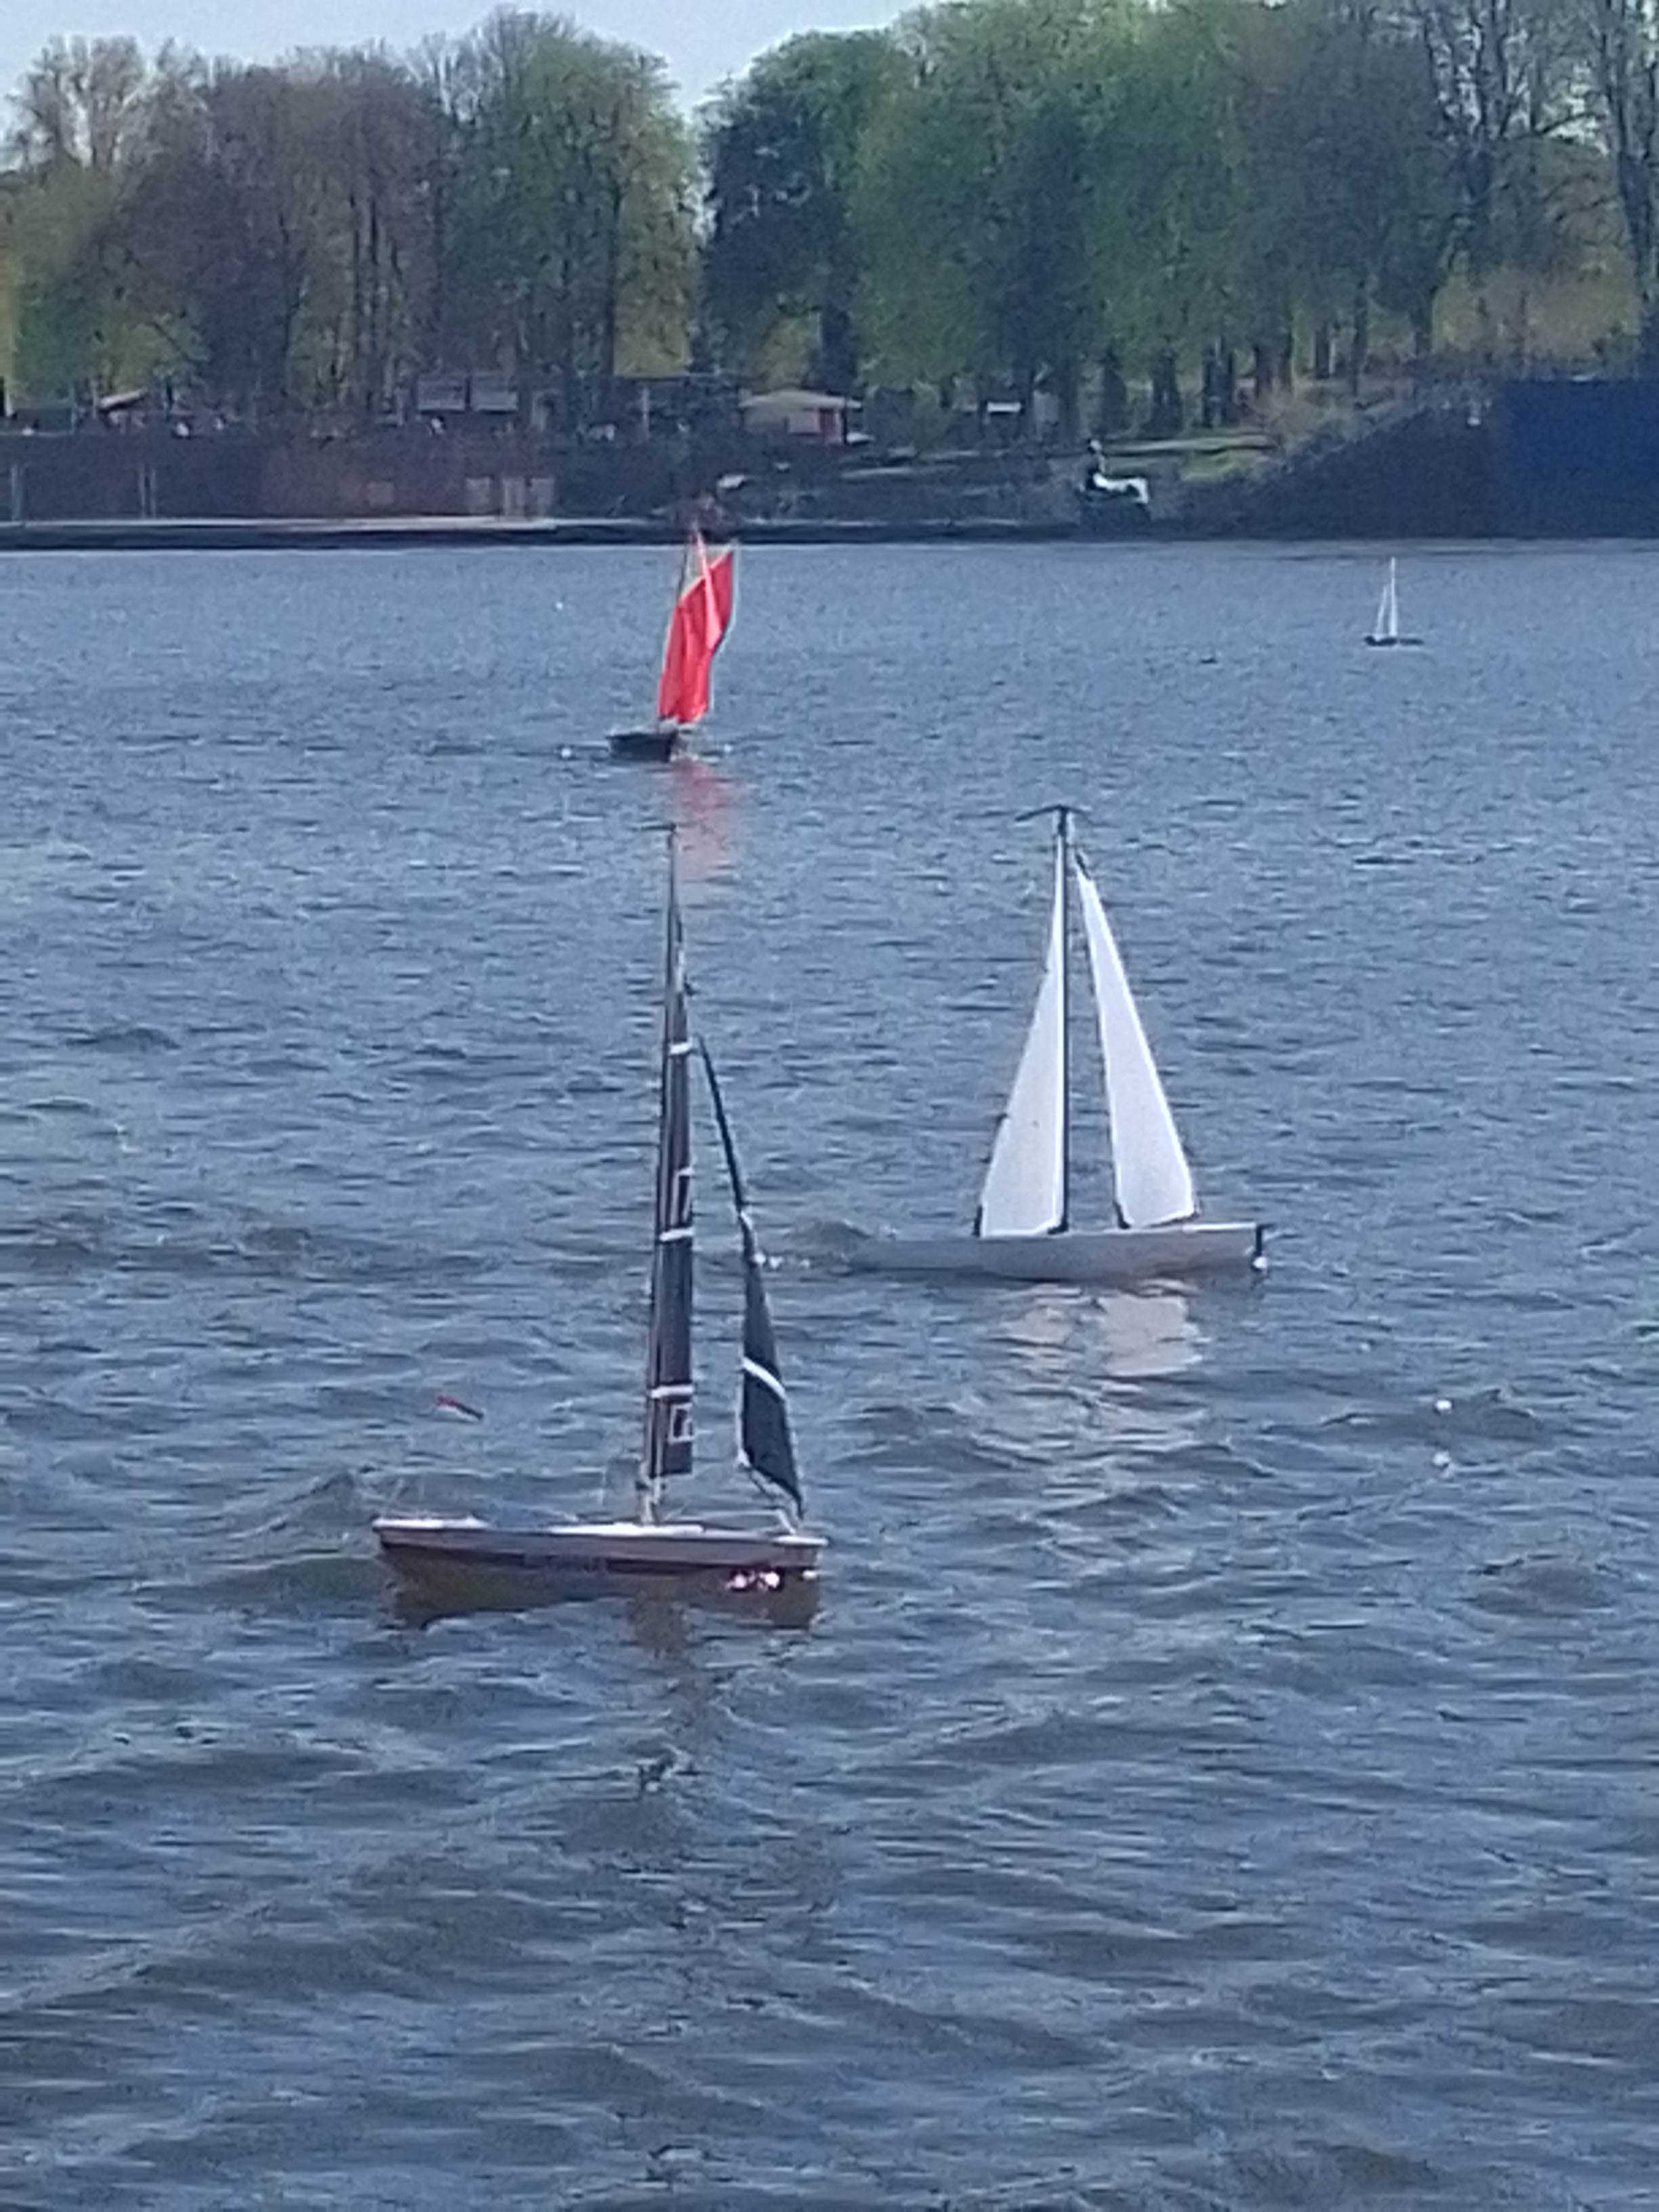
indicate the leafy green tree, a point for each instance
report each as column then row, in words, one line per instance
column 572, row 245
column 781, row 149
column 80, row 111
column 224, row 229
column 1179, row 186
column 1350, row 191
column 308, row 235
column 987, row 210
column 69, row 323
column 1022, row 193
column 381, row 152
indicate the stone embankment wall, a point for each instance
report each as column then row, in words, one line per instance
column 1573, row 458
column 1578, row 457
column 1567, row 456
column 1427, row 472
column 118, row 475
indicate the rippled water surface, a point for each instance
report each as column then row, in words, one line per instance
column 1220, row 1772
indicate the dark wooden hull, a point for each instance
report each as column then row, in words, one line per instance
column 654, row 745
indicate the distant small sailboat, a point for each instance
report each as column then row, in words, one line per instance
column 1022, row 1230
column 700, row 616
column 1386, row 628
column 647, row 1547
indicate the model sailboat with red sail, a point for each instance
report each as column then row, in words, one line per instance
column 700, row 616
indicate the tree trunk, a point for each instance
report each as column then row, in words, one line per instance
column 1165, row 414
column 1359, row 352
column 1262, row 367
column 1065, row 382
column 1320, row 365
column 350, row 371
column 1114, row 410
column 558, row 346
column 1521, row 328
column 376, row 376
column 1484, row 343
column 1025, row 383
column 834, row 365
column 437, row 305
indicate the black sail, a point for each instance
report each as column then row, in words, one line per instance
column 764, row 1442
column 667, row 1446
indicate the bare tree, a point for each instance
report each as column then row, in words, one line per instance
column 1504, row 77
column 1623, row 42
column 81, row 102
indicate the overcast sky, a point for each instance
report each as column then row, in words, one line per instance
column 701, row 44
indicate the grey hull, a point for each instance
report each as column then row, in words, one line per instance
column 621, row 1550
column 1103, row 1255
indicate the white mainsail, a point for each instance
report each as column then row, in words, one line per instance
column 1025, row 1189
column 1153, row 1181
column 1388, row 607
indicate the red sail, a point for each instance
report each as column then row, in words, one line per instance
column 696, row 628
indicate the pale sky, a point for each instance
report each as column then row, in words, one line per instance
column 702, row 44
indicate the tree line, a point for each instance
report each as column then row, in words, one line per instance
column 1063, row 196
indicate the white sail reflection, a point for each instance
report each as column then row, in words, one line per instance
column 1081, row 1365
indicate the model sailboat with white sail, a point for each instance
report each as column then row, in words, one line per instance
column 1023, row 1230
column 1386, row 630
column 649, row 1545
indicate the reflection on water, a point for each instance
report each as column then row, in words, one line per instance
column 1080, row 1360
column 1059, row 1332
column 701, row 800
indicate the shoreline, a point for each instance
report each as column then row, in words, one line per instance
column 276, row 534
column 271, row 533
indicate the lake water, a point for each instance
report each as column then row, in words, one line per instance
column 1220, row 1772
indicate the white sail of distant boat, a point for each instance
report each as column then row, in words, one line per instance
column 1025, row 1189
column 1022, row 1230
column 1386, row 628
